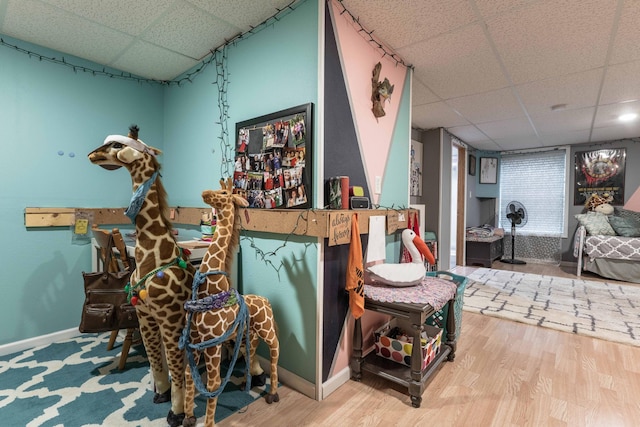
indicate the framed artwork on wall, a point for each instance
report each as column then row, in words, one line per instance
column 488, row 170
column 472, row 165
column 416, row 169
column 273, row 159
column 600, row 172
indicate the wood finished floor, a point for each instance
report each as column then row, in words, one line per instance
column 505, row 374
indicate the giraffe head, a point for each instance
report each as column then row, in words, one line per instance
column 224, row 199
column 127, row 151
column 139, row 159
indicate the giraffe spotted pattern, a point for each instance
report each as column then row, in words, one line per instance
column 212, row 324
column 161, row 314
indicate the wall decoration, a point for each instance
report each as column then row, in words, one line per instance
column 416, row 169
column 600, row 172
column 488, row 170
column 380, row 91
column 273, row 159
column 472, row 165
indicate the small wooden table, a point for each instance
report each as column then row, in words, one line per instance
column 414, row 378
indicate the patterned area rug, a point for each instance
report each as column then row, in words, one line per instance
column 77, row 383
column 604, row 310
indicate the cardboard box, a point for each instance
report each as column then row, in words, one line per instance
column 400, row 350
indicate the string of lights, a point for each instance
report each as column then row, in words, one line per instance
column 188, row 77
column 369, row 37
column 222, row 81
column 265, row 257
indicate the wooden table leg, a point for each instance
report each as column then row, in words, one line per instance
column 451, row 329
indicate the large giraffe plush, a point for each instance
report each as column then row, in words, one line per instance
column 216, row 311
column 161, row 282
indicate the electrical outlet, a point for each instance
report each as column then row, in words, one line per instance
column 378, row 184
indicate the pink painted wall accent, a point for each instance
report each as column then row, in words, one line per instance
column 358, row 59
column 633, row 204
column 370, row 321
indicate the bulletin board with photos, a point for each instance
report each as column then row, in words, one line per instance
column 273, row 159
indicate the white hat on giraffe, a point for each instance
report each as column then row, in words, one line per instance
column 136, row 144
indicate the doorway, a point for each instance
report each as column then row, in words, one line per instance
column 458, row 207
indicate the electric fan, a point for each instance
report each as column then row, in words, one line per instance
column 517, row 215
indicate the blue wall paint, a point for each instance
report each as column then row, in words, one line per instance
column 395, row 185
column 46, row 108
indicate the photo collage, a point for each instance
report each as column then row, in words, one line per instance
column 270, row 164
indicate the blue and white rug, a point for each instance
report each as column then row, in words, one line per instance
column 605, row 310
column 76, row 382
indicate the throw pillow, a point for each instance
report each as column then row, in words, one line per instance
column 626, row 213
column 627, row 227
column 596, row 224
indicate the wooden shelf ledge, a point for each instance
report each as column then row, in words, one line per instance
column 304, row 222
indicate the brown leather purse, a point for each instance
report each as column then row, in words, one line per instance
column 105, row 306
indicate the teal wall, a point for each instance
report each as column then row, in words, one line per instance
column 46, row 108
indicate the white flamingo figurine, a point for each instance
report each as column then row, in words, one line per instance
column 405, row 274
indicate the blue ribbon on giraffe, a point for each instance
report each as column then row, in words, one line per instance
column 138, row 198
column 239, row 325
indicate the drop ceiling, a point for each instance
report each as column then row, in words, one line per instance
column 498, row 74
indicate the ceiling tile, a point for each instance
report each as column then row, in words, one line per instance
column 489, row 8
column 187, row 30
column 489, row 106
column 242, row 14
column 486, row 145
column 145, row 59
column 518, row 143
column 553, row 37
column 421, row 94
column 469, row 134
column 472, row 69
column 621, row 83
column 564, row 120
column 607, row 115
column 507, row 128
column 421, row 19
column 64, row 32
column 626, row 46
column 565, row 138
column 435, row 115
column 612, row 133
column 130, row 17
column 577, row 90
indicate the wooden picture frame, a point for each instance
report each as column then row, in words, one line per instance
column 274, row 158
column 488, row 170
column 472, row 165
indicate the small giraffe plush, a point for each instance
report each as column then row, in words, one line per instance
column 600, row 203
column 161, row 282
column 216, row 311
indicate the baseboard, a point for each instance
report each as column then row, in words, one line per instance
column 41, row 340
column 290, row 379
column 333, row 383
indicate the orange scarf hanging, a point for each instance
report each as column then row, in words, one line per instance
column 355, row 271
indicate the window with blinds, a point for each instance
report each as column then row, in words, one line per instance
column 538, row 180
